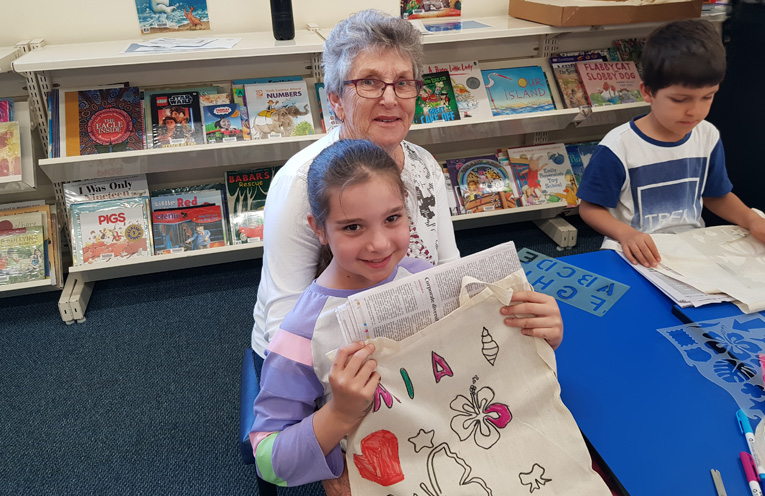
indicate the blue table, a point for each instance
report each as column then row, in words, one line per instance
column 659, row 425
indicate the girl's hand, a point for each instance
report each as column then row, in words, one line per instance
column 353, row 380
column 545, row 321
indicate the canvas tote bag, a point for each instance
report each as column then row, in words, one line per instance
column 469, row 406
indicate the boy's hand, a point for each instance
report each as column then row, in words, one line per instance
column 353, row 380
column 757, row 229
column 639, row 247
column 545, row 321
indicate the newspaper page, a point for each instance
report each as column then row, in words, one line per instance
column 403, row 307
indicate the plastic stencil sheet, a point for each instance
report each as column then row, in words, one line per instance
column 582, row 289
column 725, row 351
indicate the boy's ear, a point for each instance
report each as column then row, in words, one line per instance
column 646, row 92
column 317, row 229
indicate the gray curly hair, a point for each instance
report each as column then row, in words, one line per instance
column 368, row 30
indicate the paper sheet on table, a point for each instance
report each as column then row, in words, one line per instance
column 723, row 259
column 403, row 307
column 165, row 45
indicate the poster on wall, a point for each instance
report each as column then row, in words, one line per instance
column 430, row 9
column 169, row 16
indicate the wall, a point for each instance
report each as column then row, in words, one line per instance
column 77, row 21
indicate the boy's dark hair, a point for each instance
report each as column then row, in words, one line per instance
column 342, row 164
column 689, row 53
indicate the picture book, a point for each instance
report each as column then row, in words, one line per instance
column 329, row 120
column 10, row 152
column 110, row 230
column 26, row 215
column 468, row 87
column 451, row 198
column 278, row 109
column 429, row 9
column 6, row 110
column 517, row 90
column 610, row 83
column 608, row 54
column 579, row 155
column 484, row 184
column 103, row 121
column 246, row 192
column 147, row 94
column 214, row 99
column 436, row 101
column 543, row 174
column 170, row 16
column 22, row 256
column 176, row 120
column 182, row 229
column 90, row 190
column 237, row 94
column 223, row 123
column 567, row 77
column 191, row 196
column 630, row 50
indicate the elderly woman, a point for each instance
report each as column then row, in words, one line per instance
column 372, row 68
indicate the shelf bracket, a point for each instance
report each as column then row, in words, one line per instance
column 74, row 299
column 560, row 231
column 316, row 71
column 37, row 88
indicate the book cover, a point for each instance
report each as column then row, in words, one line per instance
column 468, row 87
column 191, row 196
column 148, row 94
column 176, row 120
column 39, row 214
column 568, row 80
column 187, row 228
column 610, row 83
column 579, row 155
column 171, row 16
column 6, row 110
column 237, row 94
column 630, row 50
column 484, row 184
column 22, row 255
column 430, row 9
column 329, row 120
column 246, row 192
column 608, row 54
column 543, row 174
column 436, row 101
column 223, row 123
column 10, row 152
column 214, row 99
column 517, row 90
column 451, row 197
column 278, row 109
column 107, row 120
column 89, row 190
column 110, row 230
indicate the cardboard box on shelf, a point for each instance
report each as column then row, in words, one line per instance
column 600, row 12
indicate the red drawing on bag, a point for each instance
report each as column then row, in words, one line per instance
column 379, row 460
column 440, row 367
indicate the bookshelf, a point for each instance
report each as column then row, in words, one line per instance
column 259, row 55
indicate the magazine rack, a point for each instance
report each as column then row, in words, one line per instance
column 258, row 55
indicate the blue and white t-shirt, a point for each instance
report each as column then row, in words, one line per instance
column 656, row 186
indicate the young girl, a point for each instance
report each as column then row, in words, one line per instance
column 359, row 214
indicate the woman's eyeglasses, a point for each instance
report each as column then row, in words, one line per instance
column 374, row 88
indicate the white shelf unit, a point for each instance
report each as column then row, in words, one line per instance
column 259, row 55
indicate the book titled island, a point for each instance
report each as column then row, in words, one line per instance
column 610, row 83
column 436, row 101
column 517, row 90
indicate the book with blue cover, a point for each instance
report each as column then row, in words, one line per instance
column 517, row 90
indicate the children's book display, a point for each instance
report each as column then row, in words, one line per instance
column 21, row 254
column 246, row 192
column 188, row 218
column 517, row 90
column 10, row 152
column 279, row 109
column 567, row 77
column 610, row 83
column 223, row 123
column 468, row 87
column 483, row 183
column 30, row 216
column 170, row 16
column 436, row 101
column 543, row 174
column 109, row 219
column 176, row 119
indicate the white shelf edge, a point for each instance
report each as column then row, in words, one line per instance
column 164, row 263
column 7, row 56
column 518, row 214
column 24, row 288
column 109, row 54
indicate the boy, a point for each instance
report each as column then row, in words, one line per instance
column 655, row 173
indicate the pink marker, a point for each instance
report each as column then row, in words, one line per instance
column 751, row 473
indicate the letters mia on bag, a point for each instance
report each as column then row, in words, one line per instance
column 469, row 406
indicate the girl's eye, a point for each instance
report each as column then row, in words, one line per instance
column 352, row 227
column 393, row 218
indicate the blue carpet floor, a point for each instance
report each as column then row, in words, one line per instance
column 143, row 397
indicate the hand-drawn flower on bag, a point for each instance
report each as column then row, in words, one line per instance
column 732, row 343
column 479, row 417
